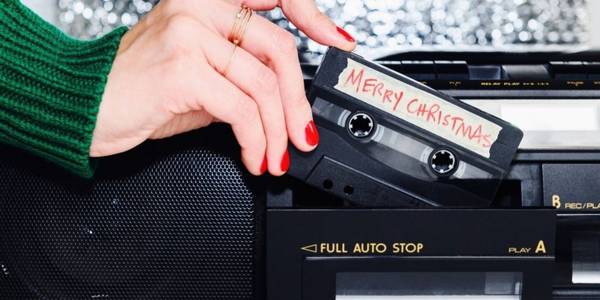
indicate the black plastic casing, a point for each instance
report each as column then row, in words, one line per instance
column 346, row 167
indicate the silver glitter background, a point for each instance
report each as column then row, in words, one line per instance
column 92, row 18
column 388, row 26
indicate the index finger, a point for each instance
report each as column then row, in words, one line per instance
column 309, row 19
column 316, row 25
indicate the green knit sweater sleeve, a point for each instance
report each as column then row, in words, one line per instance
column 50, row 87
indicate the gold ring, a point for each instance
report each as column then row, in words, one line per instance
column 242, row 18
column 224, row 73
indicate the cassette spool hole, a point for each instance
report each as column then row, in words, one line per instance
column 443, row 162
column 361, row 125
column 348, row 190
column 327, row 184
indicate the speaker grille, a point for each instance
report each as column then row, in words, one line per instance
column 172, row 219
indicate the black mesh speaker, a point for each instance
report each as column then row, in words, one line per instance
column 172, row 219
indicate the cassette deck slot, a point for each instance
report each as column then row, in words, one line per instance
column 586, row 258
column 564, row 124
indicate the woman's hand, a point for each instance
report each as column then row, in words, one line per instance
column 169, row 77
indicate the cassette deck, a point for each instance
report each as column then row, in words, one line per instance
column 558, row 162
column 157, row 224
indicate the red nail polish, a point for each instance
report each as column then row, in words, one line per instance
column 346, row 35
column 312, row 135
column 285, row 161
column 263, row 167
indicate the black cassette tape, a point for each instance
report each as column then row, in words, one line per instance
column 387, row 140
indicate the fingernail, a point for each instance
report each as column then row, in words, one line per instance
column 312, row 135
column 263, row 167
column 285, row 161
column 345, row 34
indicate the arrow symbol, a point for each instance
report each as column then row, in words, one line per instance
column 310, row 248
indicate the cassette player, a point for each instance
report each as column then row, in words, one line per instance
column 394, row 142
column 403, row 254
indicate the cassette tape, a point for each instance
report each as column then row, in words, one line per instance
column 390, row 141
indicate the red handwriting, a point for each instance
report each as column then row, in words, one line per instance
column 393, row 97
column 374, row 87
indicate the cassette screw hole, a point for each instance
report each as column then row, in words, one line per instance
column 443, row 162
column 349, row 190
column 327, row 184
column 361, row 125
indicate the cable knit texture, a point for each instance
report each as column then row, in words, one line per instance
column 50, row 87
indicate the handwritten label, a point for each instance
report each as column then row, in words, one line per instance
column 418, row 107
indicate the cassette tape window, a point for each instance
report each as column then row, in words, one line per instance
column 429, row 286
